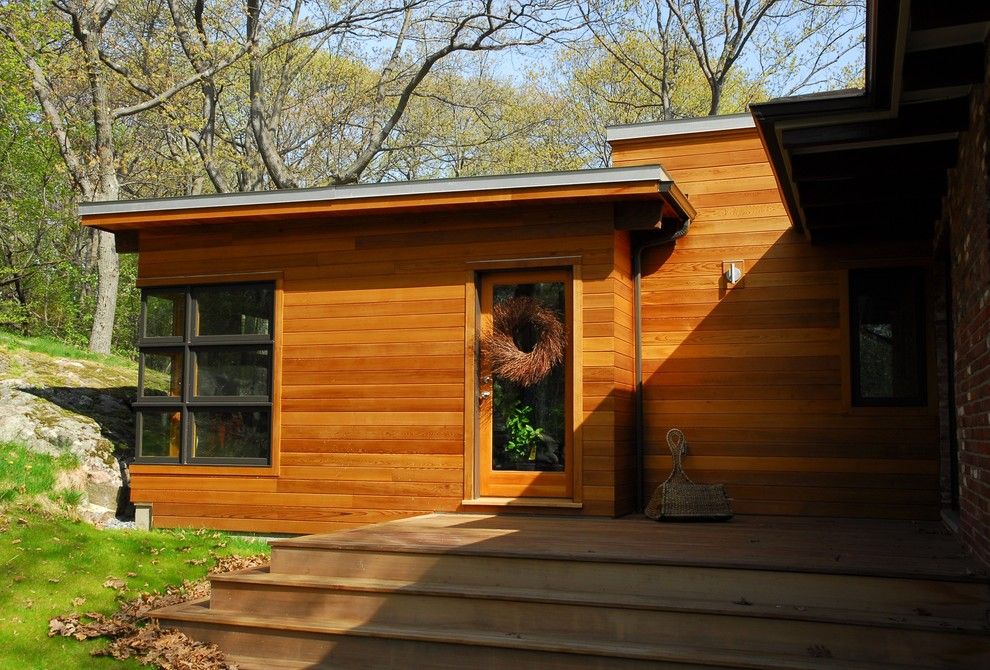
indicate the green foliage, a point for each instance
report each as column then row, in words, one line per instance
column 53, row 564
column 522, row 437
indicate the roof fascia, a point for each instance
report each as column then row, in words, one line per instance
column 886, row 44
column 642, row 182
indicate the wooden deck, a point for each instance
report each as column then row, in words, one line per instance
column 491, row 592
column 884, row 548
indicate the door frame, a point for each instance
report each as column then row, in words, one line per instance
column 472, row 356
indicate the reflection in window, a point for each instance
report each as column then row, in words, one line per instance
column 234, row 310
column 162, row 373
column 888, row 343
column 164, row 313
column 230, row 434
column 232, row 372
column 206, row 394
column 161, row 433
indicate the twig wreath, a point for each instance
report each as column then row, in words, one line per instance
column 507, row 359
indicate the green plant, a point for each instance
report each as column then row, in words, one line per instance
column 522, row 436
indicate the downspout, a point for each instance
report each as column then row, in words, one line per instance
column 661, row 239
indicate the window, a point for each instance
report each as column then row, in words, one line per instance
column 888, row 337
column 205, row 374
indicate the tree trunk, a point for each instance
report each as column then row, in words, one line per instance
column 108, row 270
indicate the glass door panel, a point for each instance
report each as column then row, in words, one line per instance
column 525, row 401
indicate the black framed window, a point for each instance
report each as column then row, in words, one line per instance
column 888, row 337
column 205, row 374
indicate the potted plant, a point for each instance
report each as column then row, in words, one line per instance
column 522, row 438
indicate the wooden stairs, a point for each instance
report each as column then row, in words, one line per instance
column 468, row 591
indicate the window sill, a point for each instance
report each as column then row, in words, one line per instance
column 198, row 470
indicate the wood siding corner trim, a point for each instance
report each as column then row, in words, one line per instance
column 470, row 386
column 577, row 382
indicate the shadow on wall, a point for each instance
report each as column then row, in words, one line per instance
column 754, row 376
column 109, row 407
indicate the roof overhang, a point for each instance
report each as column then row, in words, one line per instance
column 643, row 183
column 671, row 128
column 874, row 163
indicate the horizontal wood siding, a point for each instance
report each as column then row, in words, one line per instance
column 373, row 360
column 755, row 375
column 624, row 435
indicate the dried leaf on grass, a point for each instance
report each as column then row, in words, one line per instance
column 98, row 625
column 167, row 648
column 233, row 563
column 150, row 644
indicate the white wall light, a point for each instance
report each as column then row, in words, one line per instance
column 732, row 271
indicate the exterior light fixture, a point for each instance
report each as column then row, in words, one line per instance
column 732, row 271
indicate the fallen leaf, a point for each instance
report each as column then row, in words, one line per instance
column 19, row 578
column 28, row 603
column 54, row 580
column 196, row 561
column 132, row 574
column 114, row 583
column 78, row 602
column 17, row 541
column 22, row 521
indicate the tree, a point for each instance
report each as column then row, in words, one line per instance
column 88, row 151
column 108, row 66
column 784, row 46
column 422, row 39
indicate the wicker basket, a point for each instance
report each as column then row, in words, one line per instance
column 680, row 499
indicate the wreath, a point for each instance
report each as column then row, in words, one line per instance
column 507, row 359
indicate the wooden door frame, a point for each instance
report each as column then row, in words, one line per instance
column 574, row 375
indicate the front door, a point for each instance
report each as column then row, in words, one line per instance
column 524, row 406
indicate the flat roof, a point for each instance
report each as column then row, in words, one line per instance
column 598, row 177
column 643, row 182
column 707, row 124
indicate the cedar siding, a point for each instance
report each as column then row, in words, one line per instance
column 757, row 374
column 375, row 371
column 375, row 321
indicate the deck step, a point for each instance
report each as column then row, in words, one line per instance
column 258, row 590
column 326, row 645
column 449, row 591
column 947, row 599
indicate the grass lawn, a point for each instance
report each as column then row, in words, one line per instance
column 51, row 564
column 45, row 345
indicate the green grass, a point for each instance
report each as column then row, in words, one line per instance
column 48, row 560
column 45, row 345
column 24, row 473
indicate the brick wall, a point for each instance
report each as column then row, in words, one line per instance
column 967, row 220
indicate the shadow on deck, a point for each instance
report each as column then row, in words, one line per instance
column 450, row 590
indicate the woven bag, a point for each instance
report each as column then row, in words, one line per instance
column 679, row 498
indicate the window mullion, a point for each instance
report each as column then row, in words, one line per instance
column 187, row 387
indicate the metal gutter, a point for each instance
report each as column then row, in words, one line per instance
column 662, row 238
column 599, row 177
column 708, row 124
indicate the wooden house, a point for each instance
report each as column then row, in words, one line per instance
column 804, row 290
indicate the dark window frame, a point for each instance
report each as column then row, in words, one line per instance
column 187, row 403
column 859, row 280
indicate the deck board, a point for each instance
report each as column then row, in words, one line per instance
column 835, row 546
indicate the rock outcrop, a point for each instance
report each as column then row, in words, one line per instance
column 57, row 405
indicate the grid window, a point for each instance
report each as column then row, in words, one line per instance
column 888, row 337
column 205, row 374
